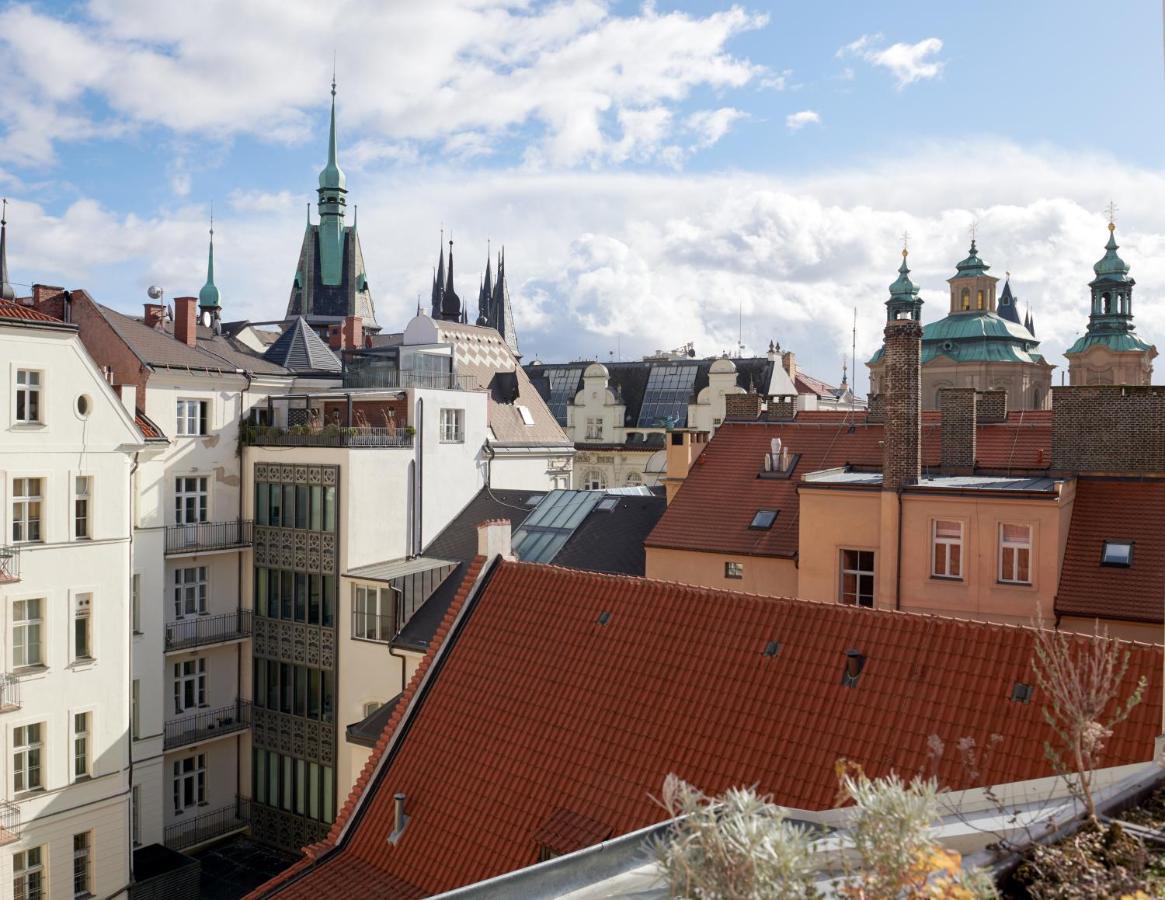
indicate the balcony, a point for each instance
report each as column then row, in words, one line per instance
column 9, row 564
column 209, row 723
column 327, row 436
column 201, row 631
column 369, row 372
column 209, row 825
column 9, row 823
column 9, row 692
column 201, row 537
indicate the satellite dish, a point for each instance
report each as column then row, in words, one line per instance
column 154, row 292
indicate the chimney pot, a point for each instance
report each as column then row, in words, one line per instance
column 186, row 320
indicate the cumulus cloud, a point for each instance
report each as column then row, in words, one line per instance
column 798, row 120
column 908, row 63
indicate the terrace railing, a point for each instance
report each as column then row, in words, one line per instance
column 9, row 564
column 328, row 436
column 207, row 724
column 209, row 825
column 198, row 536
column 200, row 631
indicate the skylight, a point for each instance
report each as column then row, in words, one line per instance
column 1021, row 693
column 763, row 520
column 608, row 503
column 1117, row 553
column 524, row 412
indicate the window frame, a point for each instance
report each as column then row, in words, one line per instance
column 595, row 480
column 948, row 544
column 371, row 606
column 1004, row 545
column 83, row 865
column 594, row 428
column 23, row 872
column 733, row 569
column 82, row 507
column 759, row 524
column 25, row 752
column 195, row 678
column 858, row 572
column 24, row 625
column 184, row 494
column 82, row 743
column 29, row 394
column 1116, row 564
column 452, row 425
column 24, row 500
column 194, row 773
column 192, row 413
column 185, row 590
column 82, row 614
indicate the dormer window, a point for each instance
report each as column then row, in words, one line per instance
column 1117, row 553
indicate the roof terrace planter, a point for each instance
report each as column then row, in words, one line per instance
column 9, row 692
column 328, row 436
column 209, row 825
column 9, row 564
column 210, row 723
column 200, row 537
column 201, row 631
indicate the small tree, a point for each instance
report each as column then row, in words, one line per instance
column 1082, row 679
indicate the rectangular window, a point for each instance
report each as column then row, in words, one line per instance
column 275, row 512
column 136, row 600
column 286, row 593
column 302, row 505
column 26, row 504
column 594, row 429
column 262, row 503
column 452, row 426
column 82, row 627
column 135, row 815
column 733, row 570
column 189, row 500
column 372, row 608
column 82, row 870
column 189, row 782
column 1117, row 553
column 857, row 577
column 947, row 555
column 1015, row 554
column 191, row 417
column 189, row 592
column 135, row 715
column 260, row 778
column 189, row 684
column 28, row 874
column 313, row 790
column 327, row 705
column 317, row 508
column 329, row 509
column 26, row 633
column 27, row 396
column 300, row 596
column 82, row 486
column 272, row 685
column 329, row 612
column 26, row 748
column 81, row 731
column 329, row 799
column 314, row 588
column 313, row 693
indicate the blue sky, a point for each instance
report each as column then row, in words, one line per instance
column 655, row 172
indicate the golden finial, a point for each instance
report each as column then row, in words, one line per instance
column 1111, row 209
column 905, row 244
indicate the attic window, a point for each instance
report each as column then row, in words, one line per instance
column 763, row 520
column 772, row 648
column 1021, row 693
column 855, row 661
column 524, row 412
column 608, row 503
column 604, row 617
column 1117, row 553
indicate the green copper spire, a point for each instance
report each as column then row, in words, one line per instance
column 7, row 292
column 1111, row 267
column 332, row 175
column 331, row 207
column 208, row 297
column 904, row 302
column 972, row 265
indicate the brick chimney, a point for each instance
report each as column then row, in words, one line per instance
column 493, row 539
column 153, row 315
column 789, row 364
column 902, row 405
column 43, row 293
column 334, row 336
column 958, row 407
column 352, row 333
column 742, row 406
column 186, row 320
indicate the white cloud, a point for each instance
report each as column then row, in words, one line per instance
column 798, row 120
column 710, row 125
column 908, row 63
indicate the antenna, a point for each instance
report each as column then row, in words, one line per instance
column 854, row 363
column 739, row 329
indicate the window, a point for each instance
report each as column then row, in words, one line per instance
column 979, row 301
column 189, row 684
column 372, row 613
column 189, row 782
column 135, row 815
column 26, row 633
column 452, row 425
column 733, row 570
column 82, row 627
column 191, row 417
column 594, row 480
column 947, row 557
column 82, row 880
column 28, row 874
column 135, row 713
column 634, row 478
column 27, row 396
column 1015, row 554
column 763, row 520
column 965, row 299
column 189, row 592
column 857, row 577
column 83, row 484
column 189, row 500
column 524, row 412
column 136, row 601
column 26, row 501
column 594, row 429
column 26, row 746
column 81, row 745
column 1117, row 553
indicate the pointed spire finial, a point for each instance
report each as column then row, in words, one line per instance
column 332, row 176
column 905, row 244
column 208, row 297
column 1111, row 209
column 7, row 292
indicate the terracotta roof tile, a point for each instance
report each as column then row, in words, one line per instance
column 541, row 720
column 10, row 310
column 1115, row 510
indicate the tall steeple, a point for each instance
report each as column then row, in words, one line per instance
column 485, row 293
column 332, row 200
column 7, row 292
column 439, row 278
column 208, row 297
column 501, row 314
column 450, row 302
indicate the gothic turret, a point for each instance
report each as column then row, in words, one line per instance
column 7, row 292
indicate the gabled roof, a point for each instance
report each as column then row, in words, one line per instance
column 723, row 491
column 1115, row 510
column 562, row 696
column 300, row 349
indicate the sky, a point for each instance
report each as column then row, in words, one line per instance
column 658, row 173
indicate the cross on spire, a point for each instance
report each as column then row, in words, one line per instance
column 1111, row 210
column 974, row 228
column 905, row 243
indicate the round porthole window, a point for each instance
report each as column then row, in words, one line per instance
column 947, row 345
column 84, row 404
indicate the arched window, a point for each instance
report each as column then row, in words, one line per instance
column 980, row 300
column 634, row 478
column 1106, row 303
column 965, row 299
column 594, row 480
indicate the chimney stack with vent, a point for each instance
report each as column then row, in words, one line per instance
column 493, row 539
column 958, row 430
column 186, row 320
column 153, row 315
column 399, row 817
column 902, row 405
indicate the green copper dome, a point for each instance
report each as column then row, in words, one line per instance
column 972, row 265
column 1111, row 267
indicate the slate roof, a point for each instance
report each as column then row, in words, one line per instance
column 1105, row 509
column 714, row 506
column 611, row 540
column 300, row 349
column 535, row 704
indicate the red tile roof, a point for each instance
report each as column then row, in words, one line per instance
column 149, row 430
column 10, row 310
column 544, row 718
column 714, row 506
column 1115, row 510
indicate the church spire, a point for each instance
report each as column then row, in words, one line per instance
column 904, row 302
column 450, row 302
column 208, row 297
column 332, row 175
column 7, row 292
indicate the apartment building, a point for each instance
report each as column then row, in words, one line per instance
column 68, row 450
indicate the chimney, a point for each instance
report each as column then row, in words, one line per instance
column 186, row 320
column 789, row 363
column 154, row 313
column 683, row 449
column 352, row 333
column 334, row 337
column 742, row 406
column 902, row 405
column 958, row 430
column 399, row 817
column 493, row 539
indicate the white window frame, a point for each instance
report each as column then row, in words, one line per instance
column 191, row 490
column 24, row 872
column 83, row 865
column 28, row 622
column 83, row 616
column 27, row 498
column 950, row 570
column 191, row 588
column 371, row 606
column 192, row 417
column 842, row 595
column 1016, row 547
column 189, row 769
column 25, row 750
column 195, row 678
column 82, row 744
column 452, row 426
column 82, row 507
column 524, row 412
column 594, row 428
column 29, row 392
column 595, row 480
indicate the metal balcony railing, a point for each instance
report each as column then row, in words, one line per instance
column 327, row 436
column 9, row 692
column 9, row 564
column 388, row 377
column 208, row 536
column 207, row 724
column 209, row 825
column 199, row 631
column 9, row 823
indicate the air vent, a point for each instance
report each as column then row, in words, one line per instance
column 1021, row 693
column 604, row 617
column 855, row 661
column 772, row 648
